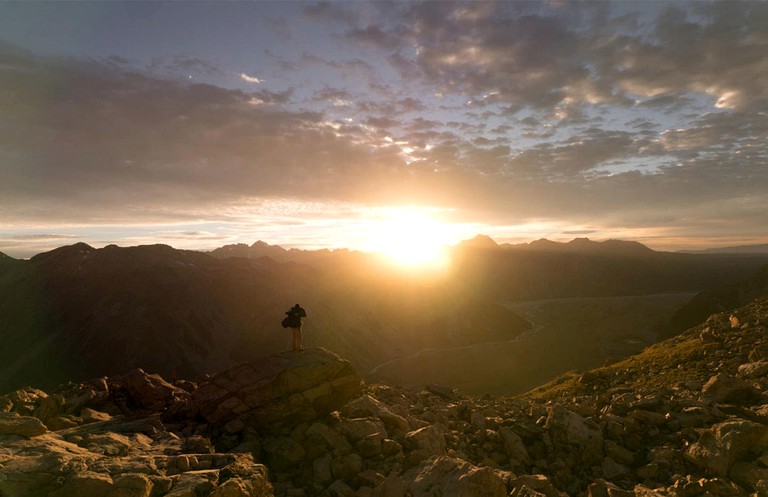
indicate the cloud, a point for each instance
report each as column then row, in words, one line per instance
column 590, row 113
column 250, row 79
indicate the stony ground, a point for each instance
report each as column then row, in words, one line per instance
column 686, row 417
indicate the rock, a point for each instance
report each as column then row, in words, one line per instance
column 514, row 447
column 602, row 488
column 691, row 486
column 12, row 423
column 49, row 407
column 446, row 477
column 724, row 388
column 283, row 453
column 748, row 475
column 522, row 486
column 446, row 393
column 424, row 443
column 26, row 400
column 347, row 466
column 279, row 391
column 151, row 391
column 725, row 443
column 576, row 431
column 648, row 417
column 753, row 369
column 321, row 439
column 91, row 416
column 339, row 489
column 367, row 406
column 116, row 458
column 613, row 470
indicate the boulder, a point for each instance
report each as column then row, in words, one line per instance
column 367, row 406
column 425, row 443
column 602, row 488
column 528, row 485
column 576, row 431
column 282, row 390
column 444, row 476
column 725, row 443
column 12, row 423
column 724, row 388
column 152, row 392
column 514, row 447
column 754, row 369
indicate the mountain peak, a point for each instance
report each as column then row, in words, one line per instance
column 77, row 250
column 585, row 245
column 480, row 241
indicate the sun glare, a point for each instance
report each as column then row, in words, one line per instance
column 410, row 237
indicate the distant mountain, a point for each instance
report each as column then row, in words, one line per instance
column 78, row 312
column 586, row 246
column 276, row 252
column 478, row 242
column 738, row 249
column 584, row 268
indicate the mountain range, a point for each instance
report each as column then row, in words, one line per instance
column 79, row 312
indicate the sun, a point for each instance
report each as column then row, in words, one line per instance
column 410, row 237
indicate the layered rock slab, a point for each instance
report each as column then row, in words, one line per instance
column 278, row 391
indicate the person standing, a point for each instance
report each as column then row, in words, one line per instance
column 293, row 321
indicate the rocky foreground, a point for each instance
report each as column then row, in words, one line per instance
column 687, row 417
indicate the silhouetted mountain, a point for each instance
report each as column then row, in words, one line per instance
column 583, row 268
column 277, row 253
column 6, row 260
column 478, row 242
column 738, row 249
column 78, row 312
column 586, row 246
column 716, row 300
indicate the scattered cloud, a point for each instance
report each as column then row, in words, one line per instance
column 250, row 79
column 591, row 114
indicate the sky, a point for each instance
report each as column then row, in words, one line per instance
column 315, row 124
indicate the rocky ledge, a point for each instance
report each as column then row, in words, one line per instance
column 687, row 417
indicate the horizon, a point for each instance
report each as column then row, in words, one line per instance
column 101, row 245
column 389, row 127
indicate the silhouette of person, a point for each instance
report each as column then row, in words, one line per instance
column 295, row 314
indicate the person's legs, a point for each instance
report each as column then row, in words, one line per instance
column 297, row 345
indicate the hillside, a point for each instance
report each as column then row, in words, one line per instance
column 716, row 300
column 686, row 417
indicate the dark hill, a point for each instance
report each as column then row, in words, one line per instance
column 78, row 312
column 586, row 246
column 716, row 300
column 583, row 268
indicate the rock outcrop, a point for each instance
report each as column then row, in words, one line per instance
column 278, row 391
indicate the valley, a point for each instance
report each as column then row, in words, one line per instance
column 501, row 320
column 567, row 334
